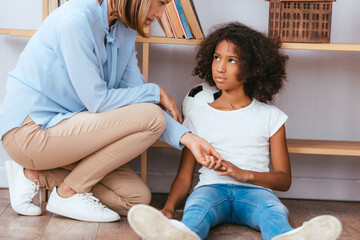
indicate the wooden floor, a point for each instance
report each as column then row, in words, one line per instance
column 52, row 226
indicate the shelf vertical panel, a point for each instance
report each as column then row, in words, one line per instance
column 145, row 61
column 145, row 72
column 45, row 9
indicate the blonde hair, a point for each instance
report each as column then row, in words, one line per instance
column 131, row 12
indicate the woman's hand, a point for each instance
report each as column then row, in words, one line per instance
column 229, row 169
column 167, row 102
column 203, row 152
column 168, row 213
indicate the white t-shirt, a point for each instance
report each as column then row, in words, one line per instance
column 239, row 136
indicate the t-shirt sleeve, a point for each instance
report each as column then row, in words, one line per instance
column 277, row 119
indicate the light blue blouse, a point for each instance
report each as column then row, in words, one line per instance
column 66, row 68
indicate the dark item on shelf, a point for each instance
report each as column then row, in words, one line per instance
column 302, row 21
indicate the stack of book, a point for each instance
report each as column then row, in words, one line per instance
column 180, row 20
column 54, row 4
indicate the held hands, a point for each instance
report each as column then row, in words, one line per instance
column 229, row 169
column 167, row 102
column 203, row 152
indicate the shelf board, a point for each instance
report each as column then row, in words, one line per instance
column 324, row 147
column 161, row 144
column 297, row 46
column 323, row 46
column 163, row 40
column 18, row 32
column 317, row 147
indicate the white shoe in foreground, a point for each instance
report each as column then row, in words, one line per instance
column 83, row 207
column 150, row 224
column 323, row 227
column 22, row 190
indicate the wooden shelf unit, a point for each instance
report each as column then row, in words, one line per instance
column 324, row 147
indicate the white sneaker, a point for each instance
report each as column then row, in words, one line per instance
column 323, row 227
column 81, row 206
column 22, row 190
column 150, row 224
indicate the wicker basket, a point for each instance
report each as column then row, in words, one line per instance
column 303, row 21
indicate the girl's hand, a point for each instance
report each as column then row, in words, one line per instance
column 229, row 169
column 203, row 152
column 167, row 102
column 168, row 213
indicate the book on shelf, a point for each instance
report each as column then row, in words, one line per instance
column 175, row 19
column 166, row 25
column 192, row 18
column 184, row 22
column 170, row 24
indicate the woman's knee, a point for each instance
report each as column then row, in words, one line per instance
column 155, row 116
column 143, row 196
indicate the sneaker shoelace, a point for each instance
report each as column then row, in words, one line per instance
column 35, row 187
column 93, row 201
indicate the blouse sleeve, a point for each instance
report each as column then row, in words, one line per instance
column 132, row 76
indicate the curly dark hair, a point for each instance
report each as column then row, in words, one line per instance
column 262, row 65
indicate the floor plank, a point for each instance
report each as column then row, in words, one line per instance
column 52, row 226
column 14, row 226
column 303, row 210
column 233, row 231
column 64, row 228
column 349, row 214
column 117, row 230
column 3, row 206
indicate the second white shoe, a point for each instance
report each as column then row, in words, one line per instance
column 22, row 190
column 325, row 227
column 150, row 224
column 83, row 207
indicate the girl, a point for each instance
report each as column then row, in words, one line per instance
column 249, row 70
column 77, row 109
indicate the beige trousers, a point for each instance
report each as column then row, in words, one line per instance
column 89, row 152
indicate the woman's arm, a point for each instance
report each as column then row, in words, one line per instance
column 279, row 179
column 182, row 183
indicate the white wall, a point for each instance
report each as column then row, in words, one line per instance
column 28, row 16
column 321, row 94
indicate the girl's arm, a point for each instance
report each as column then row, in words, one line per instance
column 279, row 179
column 182, row 183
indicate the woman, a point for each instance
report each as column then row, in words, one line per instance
column 77, row 109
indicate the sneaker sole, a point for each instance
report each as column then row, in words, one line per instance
column 324, row 227
column 10, row 179
column 151, row 224
column 59, row 211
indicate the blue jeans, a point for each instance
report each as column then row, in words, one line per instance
column 256, row 207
